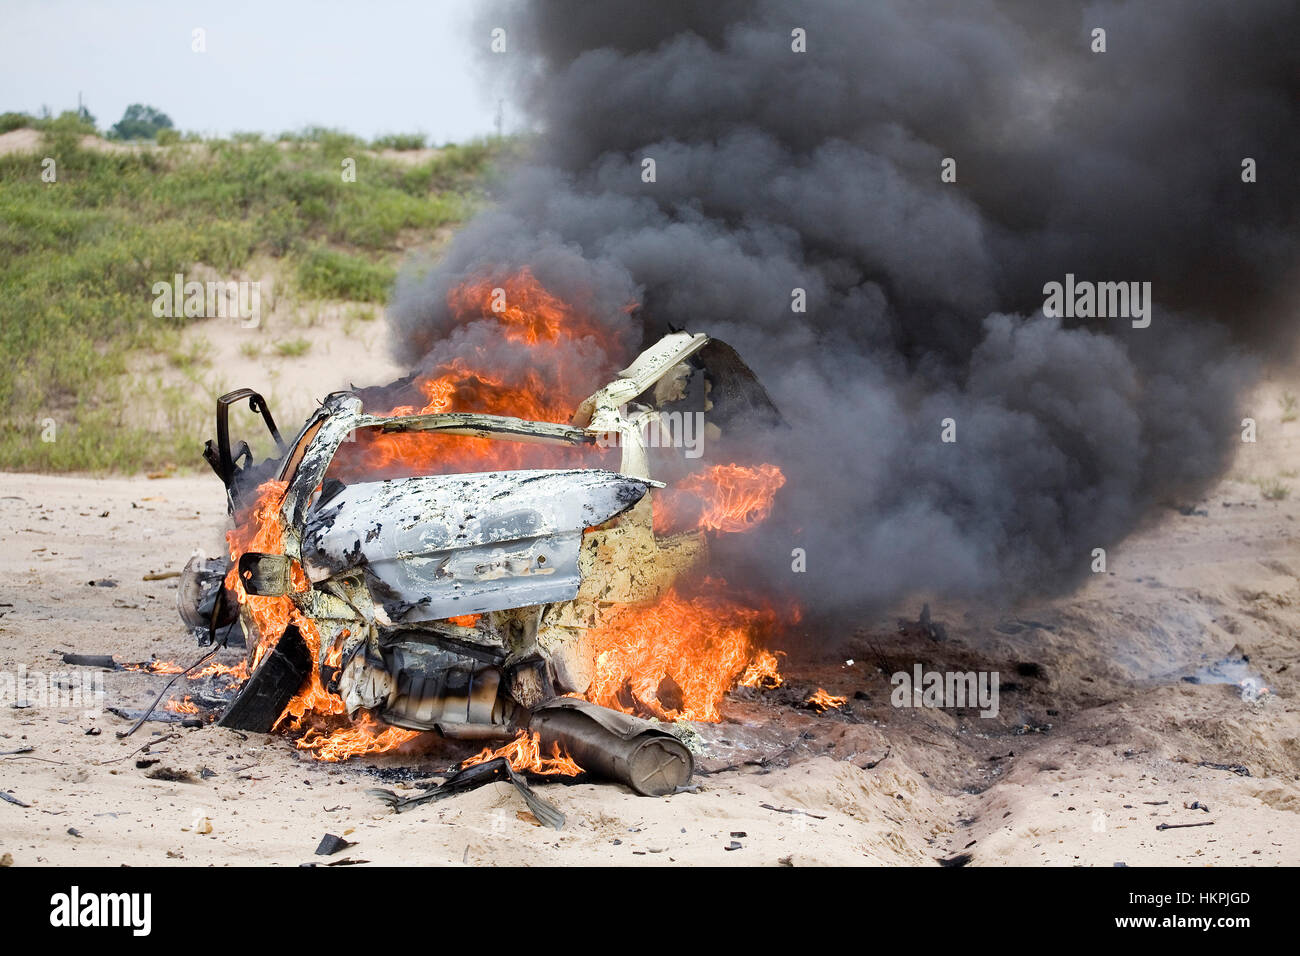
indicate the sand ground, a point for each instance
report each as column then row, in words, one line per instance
column 1099, row 738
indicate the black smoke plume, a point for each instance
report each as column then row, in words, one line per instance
column 820, row 170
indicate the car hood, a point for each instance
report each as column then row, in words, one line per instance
column 449, row 545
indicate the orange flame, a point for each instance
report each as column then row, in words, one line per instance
column 676, row 658
column 730, row 498
column 525, row 753
column 365, row 735
column 236, row 671
column 761, row 672
column 823, row 700
column 182, row 706
column 313, row 710
column 563, row 349
column 261, row 531
column 526, row 311
column 155, row 667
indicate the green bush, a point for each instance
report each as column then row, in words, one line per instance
column 333, row 142
column 329, row 274
column 78, row 122
column 13, row 121
column 400, row 141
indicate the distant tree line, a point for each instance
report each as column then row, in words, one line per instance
column 138, row 122
column 143, row 122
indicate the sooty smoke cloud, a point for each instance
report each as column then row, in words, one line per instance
column 820, row 170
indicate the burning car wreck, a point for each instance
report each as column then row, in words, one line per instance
column 488, row 604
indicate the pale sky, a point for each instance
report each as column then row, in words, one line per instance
column 389, row 66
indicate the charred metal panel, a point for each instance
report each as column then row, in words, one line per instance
column 502, row 427
column 201, row 600
column 442, row 546
column 435, row 686
column 275, row 680
column 267, row 575
column 338, row 419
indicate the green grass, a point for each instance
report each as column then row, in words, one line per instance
column 65, row 122
column 400, row 141
column 1274, row 490
column 190, row 358
column 293, row 348
column 326, row 273
column 79, row 257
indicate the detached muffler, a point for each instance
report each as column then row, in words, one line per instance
column 614, row 745
column 603, row 742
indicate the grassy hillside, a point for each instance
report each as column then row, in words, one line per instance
column 79, row 258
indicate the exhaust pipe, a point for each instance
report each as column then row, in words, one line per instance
column 615, row 746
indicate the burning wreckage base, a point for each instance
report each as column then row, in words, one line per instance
column 463, row 604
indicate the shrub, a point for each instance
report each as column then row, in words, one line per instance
column 400, row 141
column 13, row 121
column 329, row 274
